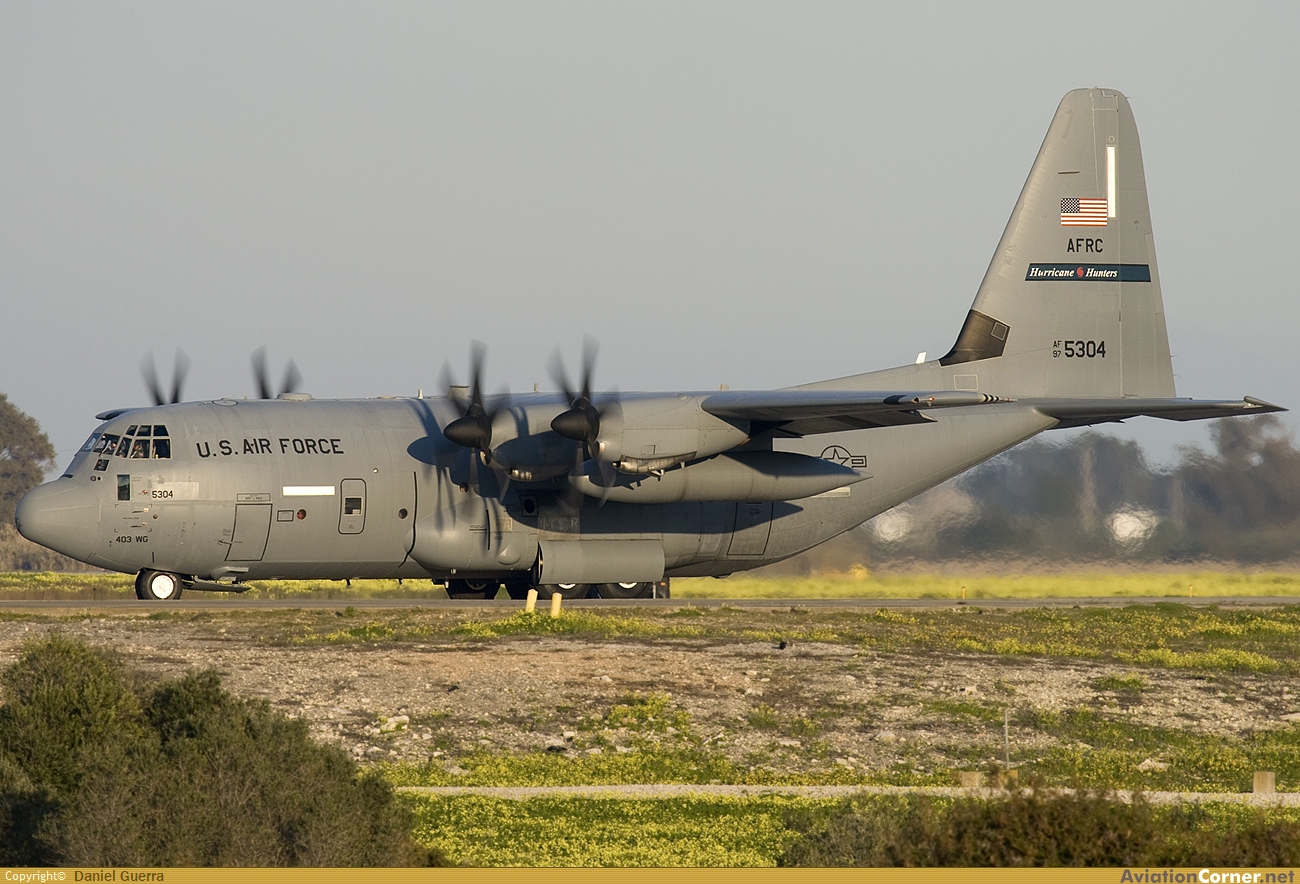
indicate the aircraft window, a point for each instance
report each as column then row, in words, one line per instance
column 140, row 448
column 351, row 506
column 123, row 487
column 123, row 447
column 90, row 443
column 107, row 442
column 162, row 448
column 143, row 431
column 159, row 430
column 130, row 431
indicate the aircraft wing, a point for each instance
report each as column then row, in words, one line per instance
column 1082, row 412
column 808, row 412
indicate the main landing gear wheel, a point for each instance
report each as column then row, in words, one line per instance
column 157, row 586
column 626, row 590
column 567, row 591
column 472, row 589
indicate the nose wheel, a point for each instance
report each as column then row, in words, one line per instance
column 157, row 586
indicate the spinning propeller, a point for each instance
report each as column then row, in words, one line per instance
column 292, row 378
column 581, row 422
column 473, row 429
column 180, row 368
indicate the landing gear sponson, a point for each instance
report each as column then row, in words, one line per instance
column 487, row 589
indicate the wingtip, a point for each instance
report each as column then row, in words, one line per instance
column 1264, row 405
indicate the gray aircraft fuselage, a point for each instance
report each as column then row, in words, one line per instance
column 259, row 489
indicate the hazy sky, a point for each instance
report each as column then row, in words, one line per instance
column 742, row 193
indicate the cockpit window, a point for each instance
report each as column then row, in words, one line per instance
column 91, row 442
column 159, row 446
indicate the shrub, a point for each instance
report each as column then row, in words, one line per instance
column 1034, row 828
column 97, row 770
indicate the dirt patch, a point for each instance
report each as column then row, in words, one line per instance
column 810, row 706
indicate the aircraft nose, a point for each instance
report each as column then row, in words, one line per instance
column 61, row 515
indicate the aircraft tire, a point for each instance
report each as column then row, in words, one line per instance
column 626, row 590
column 472, row 589
column 157, row 586
column 567, row 591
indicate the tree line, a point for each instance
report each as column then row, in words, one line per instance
column 1096, row 497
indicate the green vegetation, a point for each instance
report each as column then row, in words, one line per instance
column 856, row 585
column 1083, row 584
column 695, row 831
column 98, row 768
column 1130, row 683
column 1163, row 636
column 1033, row 828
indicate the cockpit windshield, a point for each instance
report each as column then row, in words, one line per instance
column 140, row 441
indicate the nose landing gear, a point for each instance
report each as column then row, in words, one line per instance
column 157, row 586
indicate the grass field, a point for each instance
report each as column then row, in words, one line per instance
column 699, row 832
column 1095, row 584
column 663, row 832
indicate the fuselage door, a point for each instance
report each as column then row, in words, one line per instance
column 252, row 525
column 352, row 513
column 752, row 527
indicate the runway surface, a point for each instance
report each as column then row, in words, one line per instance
column 227, row 602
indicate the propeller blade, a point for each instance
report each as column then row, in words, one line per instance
column 150, row 373
column 292, row 378
column 180, row 370
column 477, row 354
column 260, row 374
column 590, row 349
column 561, row 377
column 149, row 369
column 608, row 476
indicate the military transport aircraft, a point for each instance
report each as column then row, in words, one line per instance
column 580, row 492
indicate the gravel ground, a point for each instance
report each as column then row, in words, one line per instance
column 808, row 707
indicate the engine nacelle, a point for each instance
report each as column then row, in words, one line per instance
column 751, row 476
column 641, row 435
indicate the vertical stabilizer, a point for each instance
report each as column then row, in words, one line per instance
column 1070, row 306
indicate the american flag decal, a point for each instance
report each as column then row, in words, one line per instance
column 1083, row 212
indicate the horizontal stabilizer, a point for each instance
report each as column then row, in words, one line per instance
column 1083, row 412
column 807, row 412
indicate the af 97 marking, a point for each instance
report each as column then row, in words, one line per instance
column 1079, row 349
